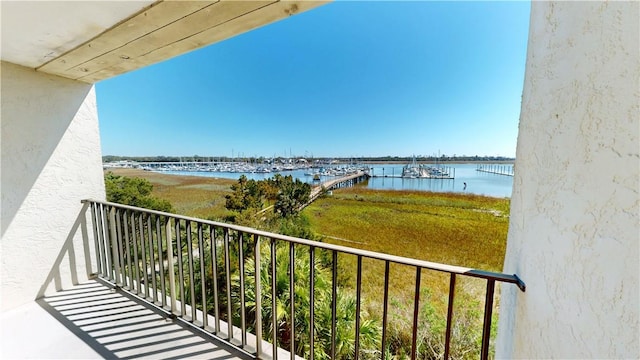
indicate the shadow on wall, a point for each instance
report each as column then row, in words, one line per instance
column 68, row 251
column 36, row 111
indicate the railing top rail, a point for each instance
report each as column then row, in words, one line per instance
column 452, row 269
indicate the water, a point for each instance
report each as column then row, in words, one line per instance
column 479, row 183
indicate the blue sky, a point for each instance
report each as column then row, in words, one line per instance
column 359, row 78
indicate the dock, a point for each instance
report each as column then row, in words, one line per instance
column 421, row 171
column 344, row 181
column 506, row 170
column 414, row 178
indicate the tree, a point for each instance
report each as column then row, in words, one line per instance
column 246, row 195
column 289, row 195
column 133, row 191
column 370, row 331
column 292, row 195
column 271, row 187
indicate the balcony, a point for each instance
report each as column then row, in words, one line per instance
column 146, row 295
column 93, row 321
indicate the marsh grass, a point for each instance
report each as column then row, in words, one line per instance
column 195, row 196
column 457, row 229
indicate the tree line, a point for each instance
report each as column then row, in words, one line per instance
column 262, row 159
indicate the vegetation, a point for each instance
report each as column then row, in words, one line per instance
column 133, row 191
column 200, row 197
column 463, row 230
column 249, row 195
column 457, row 229
column 345, row 308
column 292, row 195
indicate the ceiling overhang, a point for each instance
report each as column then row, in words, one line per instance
column 150, row 33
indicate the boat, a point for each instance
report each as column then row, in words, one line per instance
column 413, row 170
column 416, row 171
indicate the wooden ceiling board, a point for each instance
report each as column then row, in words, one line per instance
column 233, row 27
column 139, row 25
column 166, row 30
column 36, row 32
column 135, row 53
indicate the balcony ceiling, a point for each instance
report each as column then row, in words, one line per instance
column 90, row 41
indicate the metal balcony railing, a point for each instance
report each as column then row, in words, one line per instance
column 183, row 265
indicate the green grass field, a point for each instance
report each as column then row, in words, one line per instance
column 195, row 196
column 455, row 229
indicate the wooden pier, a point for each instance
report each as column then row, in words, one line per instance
column 345, row 181
column 497, row 169
column 448, row 173
column 415, row 178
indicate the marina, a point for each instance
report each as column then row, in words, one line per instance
column 318, row 168
column 478, row 183
column 382, row 176
column 422, row 171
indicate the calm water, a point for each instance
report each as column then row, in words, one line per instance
column 477, row 182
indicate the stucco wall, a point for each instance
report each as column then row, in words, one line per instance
column 50, row 157
column 574, row 228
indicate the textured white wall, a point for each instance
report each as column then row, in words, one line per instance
column 50, row 157
column 574, row 230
